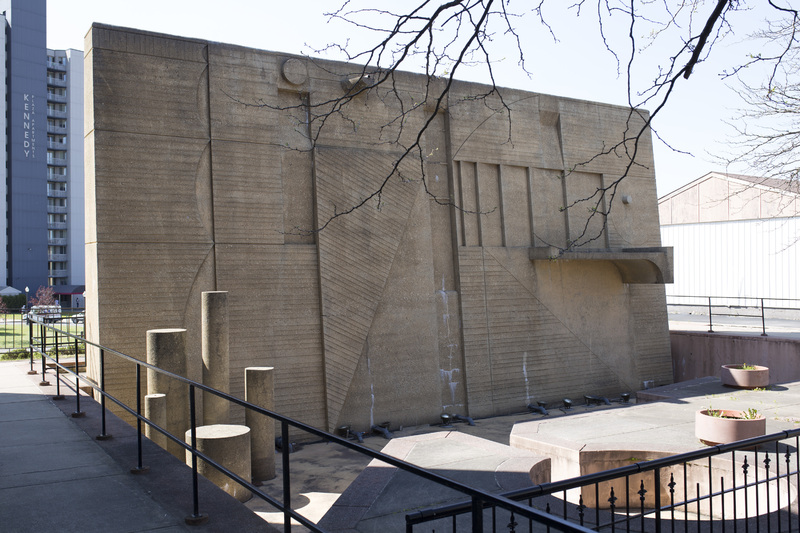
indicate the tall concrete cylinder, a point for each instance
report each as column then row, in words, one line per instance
column 216, row 358
column 259, row 389
column 155, row 410
column 166, row 349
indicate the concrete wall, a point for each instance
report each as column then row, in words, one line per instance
column 696, row 355
column 391, row 314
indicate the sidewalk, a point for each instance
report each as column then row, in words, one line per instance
column 55, row 477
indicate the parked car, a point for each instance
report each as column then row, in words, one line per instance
column 44, row 313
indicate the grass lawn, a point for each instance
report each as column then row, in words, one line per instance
column 13, row 333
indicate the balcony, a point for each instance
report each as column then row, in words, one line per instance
column 56, row 146
column 57, row 98
column 57, row 209
column 56, row 242
column 55, row 82
column 57, row 178
column 56, row 225
column 57, row 273
column 55, row 65
column 57, row 161
column 53, row 193
column 56, row 129
column 52, row 113
column 57, row 257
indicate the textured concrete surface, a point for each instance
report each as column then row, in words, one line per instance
column 400, row 310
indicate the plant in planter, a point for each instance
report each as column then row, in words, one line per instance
column 719, row 426
column 745, row 376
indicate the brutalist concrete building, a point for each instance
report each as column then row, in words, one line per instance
column 200, row 170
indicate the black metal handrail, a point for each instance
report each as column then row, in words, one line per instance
column 657, row 466
column 772, row 304
column 478, row 498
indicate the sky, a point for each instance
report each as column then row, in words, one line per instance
column 576, row 66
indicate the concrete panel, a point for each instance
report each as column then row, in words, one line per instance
column 549, row 221
column 151, row 188
column 242, row 81
column 273, row 298
column 248, row 196
column 134, row 279
column 633, row 224
column 490, row 205
column 491, row 129
column 149, row 92
column 584, row 205
column 469, row 203
column 397, row 359
column 515, row 188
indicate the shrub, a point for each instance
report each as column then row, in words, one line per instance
column 15, row 355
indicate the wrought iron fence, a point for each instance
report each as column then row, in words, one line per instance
column 736, row 307
column 749, row 485
column 14, row 326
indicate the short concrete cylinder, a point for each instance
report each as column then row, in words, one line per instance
column 229, row 446
column 259, row 389
column 155, row 410
column 216, row 357
column 166, row 349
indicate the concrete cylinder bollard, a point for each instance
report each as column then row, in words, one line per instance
column 229, row 446
column 166, row 349
column 155, row 410
column 216, row 358
column 259, row 389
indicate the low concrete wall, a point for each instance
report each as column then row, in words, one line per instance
column 696, row 354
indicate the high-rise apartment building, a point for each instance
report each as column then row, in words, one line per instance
column 41, row 234
column 65, row 233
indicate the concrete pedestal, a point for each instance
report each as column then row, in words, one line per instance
column 228, row 445
column 166, row 349
column 216, row 358
column 155, row 410
column 259, row 389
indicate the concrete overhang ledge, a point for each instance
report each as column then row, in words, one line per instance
column 635, row 265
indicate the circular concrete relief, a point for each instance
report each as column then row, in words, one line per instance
column 295, row 71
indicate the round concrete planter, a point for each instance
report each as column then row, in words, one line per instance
column 729, row 427
column 736, row 376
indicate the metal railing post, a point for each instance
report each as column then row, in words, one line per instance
column 196, row 517
column 657, row 496
column 30, row 346
column 58, row 395
column 477, row 515
column 139, row 469
column 710, row 327
column 43, row 337
column 103, row 435
column 78, row 413
column 287, row 493
column 763, row 322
